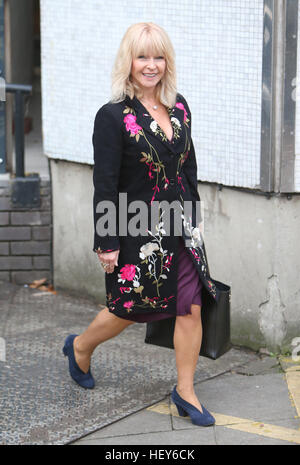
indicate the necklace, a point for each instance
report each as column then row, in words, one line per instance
column 154, row 107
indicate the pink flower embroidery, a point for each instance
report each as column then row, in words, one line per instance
column 128, row 304
column 181, row 107
column 125, row 289
column 128, row 272
column 179, row 179
column 166, row 301
column 131, row 125
column 197, row 256
column 114, row 301
column 156, row 189
column 151, row 167
column 168, row 261
column 166, row 184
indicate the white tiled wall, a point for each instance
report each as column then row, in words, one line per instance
column 218, row 46
column 297, row 121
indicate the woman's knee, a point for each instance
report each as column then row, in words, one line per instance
column 196, row 310
column 193, row 317
column 109, row 317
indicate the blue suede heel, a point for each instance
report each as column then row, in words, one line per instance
column 85, row 380
column 185, row 408
column 181, row 412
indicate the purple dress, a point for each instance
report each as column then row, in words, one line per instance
column 189, row 288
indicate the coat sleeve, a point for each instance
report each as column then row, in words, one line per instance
column 107, row 145
column 190, row 165
column 190, row 170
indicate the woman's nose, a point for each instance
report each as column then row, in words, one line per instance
column 151, row 63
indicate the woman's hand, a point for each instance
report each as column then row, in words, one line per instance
column 110, row 259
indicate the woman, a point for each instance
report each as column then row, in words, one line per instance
column 143, row 150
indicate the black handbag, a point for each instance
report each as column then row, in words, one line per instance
column 215, row 324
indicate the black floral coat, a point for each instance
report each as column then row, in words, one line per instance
column 132, row 155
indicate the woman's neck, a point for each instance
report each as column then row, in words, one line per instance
column 149, row 95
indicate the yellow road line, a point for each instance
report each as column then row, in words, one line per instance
column 292, row 375
column 240, row 424
column 261, row 429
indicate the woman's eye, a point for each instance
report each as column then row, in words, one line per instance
column 143, row 57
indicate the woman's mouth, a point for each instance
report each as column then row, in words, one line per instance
column 150, row 75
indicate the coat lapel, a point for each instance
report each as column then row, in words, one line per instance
column 151, row 127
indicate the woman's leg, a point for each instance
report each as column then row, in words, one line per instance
column 187, row 343
column 105, row 326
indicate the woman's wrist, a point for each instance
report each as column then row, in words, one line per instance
column 98, row 251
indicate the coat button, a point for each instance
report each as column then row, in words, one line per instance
column 172, row 182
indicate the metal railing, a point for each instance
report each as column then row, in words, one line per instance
column 20, row 90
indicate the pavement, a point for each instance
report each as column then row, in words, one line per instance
column 254, row 397
column 258, row 404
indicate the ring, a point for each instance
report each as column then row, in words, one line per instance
column 104, row 264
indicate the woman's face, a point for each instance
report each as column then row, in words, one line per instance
column 148, row 70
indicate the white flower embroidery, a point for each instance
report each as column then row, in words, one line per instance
column 176, row 121
column 193, row 233
column 153, row 126
column 197, row 235
column 147, row 249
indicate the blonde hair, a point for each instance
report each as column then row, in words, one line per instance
column 140, row 39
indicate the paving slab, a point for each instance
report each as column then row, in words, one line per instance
column 264, row 364
column 142, row 422
column 263, row 398
column 175, row 438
